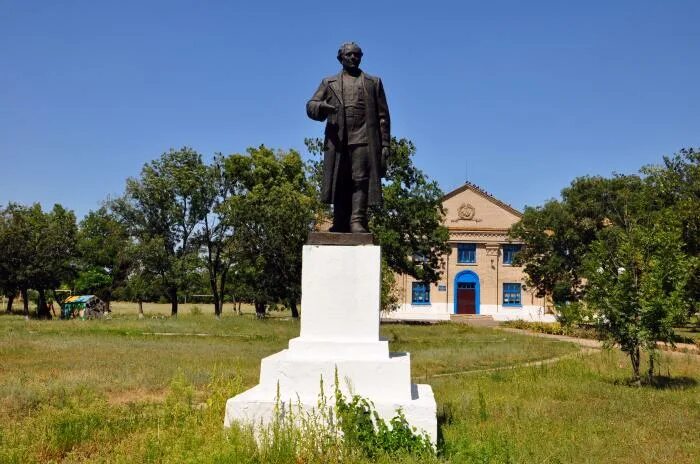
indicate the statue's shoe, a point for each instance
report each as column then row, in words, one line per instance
column 358, row 228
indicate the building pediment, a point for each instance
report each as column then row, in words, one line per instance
column 470, row 207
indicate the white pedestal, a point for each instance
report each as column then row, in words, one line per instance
column 339, row 333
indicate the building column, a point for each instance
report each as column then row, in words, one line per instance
column 492, row 251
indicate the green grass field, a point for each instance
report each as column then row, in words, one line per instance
column 153, row 390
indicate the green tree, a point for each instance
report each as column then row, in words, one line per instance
column 216, row 235
column 54, row 242
column 271, row 214
column 15, row 255
column 558, row 234
column 8, row 281
column 162, row 210
column 142, row 284
column 408, row 225
column 675, row 185
column 552, row 255
column 38, row 250
column 93, row 280
column 103, row 246
column 637, row 277
column 625, row 245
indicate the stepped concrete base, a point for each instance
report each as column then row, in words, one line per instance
column 259, row 404
column 339, row 336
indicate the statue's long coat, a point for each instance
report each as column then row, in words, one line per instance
column 378, row 132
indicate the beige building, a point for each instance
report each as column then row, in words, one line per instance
column 478, row 276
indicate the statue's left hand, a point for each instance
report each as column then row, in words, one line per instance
column 385, row 157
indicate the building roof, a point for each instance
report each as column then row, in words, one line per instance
column 79, row 298
column 475, row 188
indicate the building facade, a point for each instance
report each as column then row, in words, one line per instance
column 478, row 276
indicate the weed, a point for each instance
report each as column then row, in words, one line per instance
column 63, row 376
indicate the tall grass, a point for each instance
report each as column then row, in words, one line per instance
column 116, row 391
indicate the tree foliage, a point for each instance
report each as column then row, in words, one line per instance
column 163, row 209
column 104, row 249
column 38, row 250
column 676, row 187
column 627, row 246
column 637, row 278
column 271, row 213
column 215, row 237
column 408, row 225
column 558, row 234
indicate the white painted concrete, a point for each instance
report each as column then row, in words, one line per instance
column 409, row 312
column 340, row 293
column 381, row 380
column 443, row 311
column 339, row 334
column 511, row 313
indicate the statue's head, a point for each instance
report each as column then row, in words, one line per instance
column 350, row 55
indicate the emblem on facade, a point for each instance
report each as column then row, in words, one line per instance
column 466, row 212
column 492, row 250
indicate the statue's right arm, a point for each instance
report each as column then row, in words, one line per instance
column 314, row 106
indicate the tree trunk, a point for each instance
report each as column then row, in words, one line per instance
column 25, row 301
column 172, row 293
column 259, row 309
column 222, row 292
column 217, row 300
column 635, row 358
column 293, row 307
column 239, row 308
column 10, row 299
column 42, row 310
column 650, row 371
column 141, row 315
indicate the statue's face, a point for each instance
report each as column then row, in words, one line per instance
column 351, row 57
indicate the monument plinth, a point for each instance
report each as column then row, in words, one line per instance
column 339, row 332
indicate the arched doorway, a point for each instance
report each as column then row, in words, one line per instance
column 466, row 293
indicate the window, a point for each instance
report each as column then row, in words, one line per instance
column 421, row 293
column 511, row 295
column 466, row 253
column 509, row 252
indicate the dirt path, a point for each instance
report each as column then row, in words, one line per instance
column 680, row 349
column 588, row 346
column 541, row 362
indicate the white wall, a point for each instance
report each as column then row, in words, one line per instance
column 511, row 313
column 443, row 311
column 409, row 312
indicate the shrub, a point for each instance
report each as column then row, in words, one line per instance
column 554, row 328
column 346, row 431
column 571, row 314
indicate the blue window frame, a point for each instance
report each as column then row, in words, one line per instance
column 420, row 294
column 466, row 253
column 509, row 252
column 467, row 285
column 512, row 295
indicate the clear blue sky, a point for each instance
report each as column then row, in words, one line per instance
column 529, row 94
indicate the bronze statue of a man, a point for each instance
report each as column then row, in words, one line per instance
column 357, row 140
